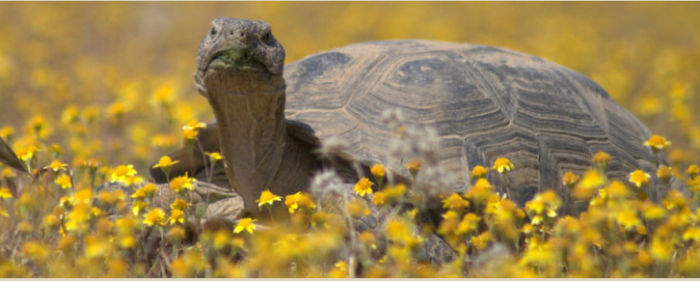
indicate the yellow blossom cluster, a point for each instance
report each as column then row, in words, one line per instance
column 88, row 123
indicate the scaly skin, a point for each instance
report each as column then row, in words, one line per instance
column 239, row 71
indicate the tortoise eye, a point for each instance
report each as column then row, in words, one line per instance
column 213, row 31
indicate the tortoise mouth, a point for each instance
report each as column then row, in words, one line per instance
column 236, row 58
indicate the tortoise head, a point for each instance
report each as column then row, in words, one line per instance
column 238, row 45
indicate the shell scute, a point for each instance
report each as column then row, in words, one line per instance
column 485, row 102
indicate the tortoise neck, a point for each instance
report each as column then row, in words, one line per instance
column 249, row 109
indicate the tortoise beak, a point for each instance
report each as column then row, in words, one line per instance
column 272, row 57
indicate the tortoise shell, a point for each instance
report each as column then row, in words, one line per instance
column 485, row 103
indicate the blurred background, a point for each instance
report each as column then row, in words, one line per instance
column 113, row 81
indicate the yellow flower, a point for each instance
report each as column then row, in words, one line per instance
column 70, row 115
column 133, row 180
column 692, row 233
column 378, row 170
column 482, row 241
column 306, row 201
column 35, row 251
column 267, row 197
column 91, row 113
column 221, row 239
column 177, row 216
column 139, row 194
column 56, row 150
column 164, row 141
column 397, row 230
column 693, row 170
column 292, row 202
column 569, row 179
column 154, row 217
column 468, row 224
column 664, row 173
column 122, row 173
column 138, row 207
column 319, row 219
column 340, row 270
column 189, row 133
column 245, row 224
column 455, row 202
column 601, row 157
column 126, row 225
column 7, row 132
column 27, row 153
column 482, row 184
column 5, row 193
column 50, row 221
column 378, row 198
column 180, row 204
column 188, row 264
column 116, row 110
column 91, row 163
column 364, row 186
column 480, row 191
column 412, row 213
column 394, row 192
column 175, row 234
column 479, row 172
column 356, row 209
column 95, row 247
column 639, row 178
column 502, row 164
column 8, row 173
column 661, row 249
column 450, row 215
column 588, row 185
column 195, row 125
column 617, row 190
column 38, row 126
column 181, row 183
column 214, row 157
column 65, row 202
column 64, row 181
column 413, row 166
column 654, row 212
column 297, row 200
column 191, row 130
column 149, row 189
column 56, row 165
column 367, row 238
column 657, row 142
column 628, row 220
column 693, row 184
column 165, row 162
column 25, row 227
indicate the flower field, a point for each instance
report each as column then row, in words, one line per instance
column 97, row 93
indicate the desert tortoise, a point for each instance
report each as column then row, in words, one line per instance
column 484, row 102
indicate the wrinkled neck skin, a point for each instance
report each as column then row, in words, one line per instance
column 249, row 108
